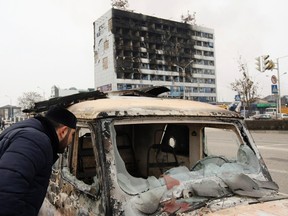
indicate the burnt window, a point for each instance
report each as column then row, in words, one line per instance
column 82, row 161
column 86, row 164
column 146, row 149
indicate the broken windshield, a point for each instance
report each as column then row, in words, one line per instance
column 193, row 161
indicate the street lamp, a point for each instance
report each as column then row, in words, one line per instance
column 279, row 104
column 183, row 74
column 279, row 87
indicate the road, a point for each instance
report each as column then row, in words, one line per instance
column 273, row 146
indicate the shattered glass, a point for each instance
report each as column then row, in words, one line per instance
column 211, row 178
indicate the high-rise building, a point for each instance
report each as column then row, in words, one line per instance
column 133, row 50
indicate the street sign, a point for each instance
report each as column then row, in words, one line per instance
column 274, row 89
column 237, row 98
column 274, row 79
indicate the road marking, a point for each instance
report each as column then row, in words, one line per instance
column 273, row 148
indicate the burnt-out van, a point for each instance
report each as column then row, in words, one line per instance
column 135, row 153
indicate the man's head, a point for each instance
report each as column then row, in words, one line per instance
column 65, row 124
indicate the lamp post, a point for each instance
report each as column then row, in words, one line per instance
column 279, row 87
column 183, row 74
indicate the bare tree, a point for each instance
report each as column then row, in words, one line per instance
column 27, row 100
column 245, row 86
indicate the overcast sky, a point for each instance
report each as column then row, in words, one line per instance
column 50, row 42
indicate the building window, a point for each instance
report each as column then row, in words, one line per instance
column 110, row 25
column 106, row 45
column 105, row 63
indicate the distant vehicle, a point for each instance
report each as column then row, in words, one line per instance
column 262, row 116
column 134, row 153
column 248, row 113
column 282, row 115
column 271, row 111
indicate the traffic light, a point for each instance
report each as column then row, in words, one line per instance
column 269, row 65
column 266, row 62
column 259, row 64
column 263, row 63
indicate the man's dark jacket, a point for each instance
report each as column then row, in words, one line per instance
column 28, row 150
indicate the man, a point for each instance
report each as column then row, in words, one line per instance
column 28, row 149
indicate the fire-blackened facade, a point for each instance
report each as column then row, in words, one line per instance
column 134, row 50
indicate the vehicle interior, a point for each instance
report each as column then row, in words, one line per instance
column 147, row 152
column 152, row 149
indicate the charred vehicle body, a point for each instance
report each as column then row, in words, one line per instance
column 134, row 154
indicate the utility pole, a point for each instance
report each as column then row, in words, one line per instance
column 279, row 89
column 183, row 74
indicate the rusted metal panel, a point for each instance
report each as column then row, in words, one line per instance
column 75, row 155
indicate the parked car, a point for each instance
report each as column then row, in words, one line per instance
column 271, row 111
column 282, row 116
column 137, row 154
column 262, row 116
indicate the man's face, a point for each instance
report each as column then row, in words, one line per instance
column 65, row 138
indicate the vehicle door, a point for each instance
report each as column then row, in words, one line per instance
column 76, row 186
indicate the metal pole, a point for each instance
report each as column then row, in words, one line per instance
column 183, row 74
column 279, row 87
column 183, row 80
column 279, row 91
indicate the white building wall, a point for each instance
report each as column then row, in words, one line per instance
column 104, row 75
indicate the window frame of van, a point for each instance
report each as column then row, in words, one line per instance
column 200, row 121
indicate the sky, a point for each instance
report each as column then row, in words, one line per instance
column 50, row 42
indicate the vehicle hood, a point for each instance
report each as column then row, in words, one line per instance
column 277, row 207
column 206, row 195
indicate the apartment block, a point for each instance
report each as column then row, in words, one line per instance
column 133, row 50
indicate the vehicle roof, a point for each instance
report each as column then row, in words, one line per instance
column 143, row 101
column 145, row 106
